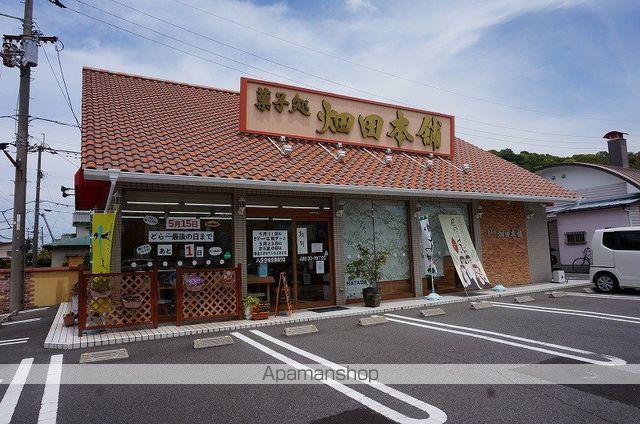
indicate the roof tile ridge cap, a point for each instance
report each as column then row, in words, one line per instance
column 154, row 79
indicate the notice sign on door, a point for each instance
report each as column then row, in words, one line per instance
column 270, row 243
column 301, row 237
column 463, row 254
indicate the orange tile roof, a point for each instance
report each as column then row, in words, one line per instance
column 139, row 124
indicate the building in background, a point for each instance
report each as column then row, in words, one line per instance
column 610, row 198
column 72, row 249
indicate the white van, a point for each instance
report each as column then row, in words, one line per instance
column 616, row 258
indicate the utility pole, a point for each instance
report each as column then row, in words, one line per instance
column 19, row 196
column 36, row 216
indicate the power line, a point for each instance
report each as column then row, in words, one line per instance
column 389, row 74
column 65, row 91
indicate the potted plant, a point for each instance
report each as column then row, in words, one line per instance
column 261, row 311
column 131, row 301
column 193, row 283
column 100, row 287
column 69, row 319
column 367, row 266
column 249, row 302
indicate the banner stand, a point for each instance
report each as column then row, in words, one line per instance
column 499, row 288
column 433, row 296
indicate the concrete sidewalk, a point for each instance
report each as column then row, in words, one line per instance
column 61, row 337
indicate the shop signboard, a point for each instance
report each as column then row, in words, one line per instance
column 180, row 236
column 101, row 235
column 355, row 286
column 150, row 220
column 430, row 268
column 173, row 223
column 276, row 109
column 215, row 251
column 463, row 253
column 270, row 243
column 165, row 250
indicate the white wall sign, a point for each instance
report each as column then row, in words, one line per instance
column 199, row 252
column 463, row 253
column 189, row 250
column 144, row 249
column 215, row 251
column 174, row 223
column 301, row 240
column 319, row 267
column 316, row 247
column 354, row 288
column 180, row 236
column 150, row 220
column 165, row 249
column 270, row 243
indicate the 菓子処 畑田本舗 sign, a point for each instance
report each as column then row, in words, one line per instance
column 276, row 109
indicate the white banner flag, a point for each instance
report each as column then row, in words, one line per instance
column 427, row 247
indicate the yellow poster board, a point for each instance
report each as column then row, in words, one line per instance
column 102, row 225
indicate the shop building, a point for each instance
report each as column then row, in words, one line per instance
column 282, row 179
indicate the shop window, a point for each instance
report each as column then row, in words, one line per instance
column 575, row 238
column 191, row 232
column 381, row 225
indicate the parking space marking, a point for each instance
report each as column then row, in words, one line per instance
column 12, row 395
column 603, row 296
column 49, row 406
column 436, row 415
column 500, row 338
column 13, row 341
column 22, row 321
column 575, row 312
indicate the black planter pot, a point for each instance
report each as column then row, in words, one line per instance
column 372, row 296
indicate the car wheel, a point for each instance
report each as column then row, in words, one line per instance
column 606, row 283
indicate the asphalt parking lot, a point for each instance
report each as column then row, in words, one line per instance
column 575, row 329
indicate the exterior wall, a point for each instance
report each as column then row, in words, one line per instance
column 415, row 245
column 43, row 286
column 338, row 256
column 593, row 184
column 240, row 240
column 634, row 216
column 538, row 243
column 60, row 256
column 587, row 221
column 505, row 259
column 5, row 248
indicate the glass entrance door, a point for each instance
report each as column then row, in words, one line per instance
column 298, row 246
column 313, row 282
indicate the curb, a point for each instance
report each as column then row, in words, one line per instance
column 130, row 336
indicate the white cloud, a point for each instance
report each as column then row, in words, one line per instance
column 358, row 5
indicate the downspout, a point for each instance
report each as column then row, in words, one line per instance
column 114, row 174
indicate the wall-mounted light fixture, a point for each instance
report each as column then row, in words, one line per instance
column 242, row 205
column 340, row 210
column 418, row 210
column 530, row 213
column 479, row 212
column 341, row 153
column 466, row 167
column 387, row 157
column 286, row 148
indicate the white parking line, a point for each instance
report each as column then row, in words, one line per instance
column 604, row 296
column 477, row 333
column 575, row 312
column 14, row 341
column 12, row 395
column 33, row 310
column 22, row 321
column 436, row 415
column 49, row 405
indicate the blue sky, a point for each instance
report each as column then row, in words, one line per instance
column 550, row 76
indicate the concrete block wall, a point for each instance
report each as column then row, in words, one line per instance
column 505, row 259
column 4, row 291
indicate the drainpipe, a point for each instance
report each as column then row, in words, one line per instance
column 113, row 178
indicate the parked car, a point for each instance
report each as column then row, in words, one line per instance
column 616, row 258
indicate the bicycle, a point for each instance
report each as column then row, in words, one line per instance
column 581, row 265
